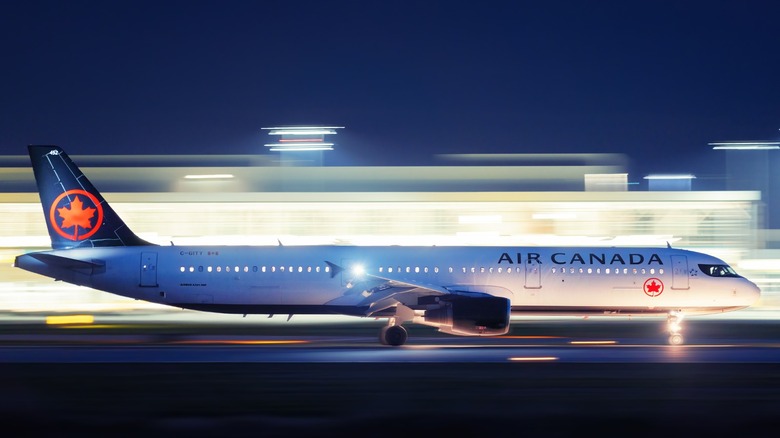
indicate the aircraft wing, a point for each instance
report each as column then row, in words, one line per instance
column 380, row 292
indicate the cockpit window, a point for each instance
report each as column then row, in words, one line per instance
column 718, row 270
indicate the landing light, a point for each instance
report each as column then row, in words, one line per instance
column 358, row 270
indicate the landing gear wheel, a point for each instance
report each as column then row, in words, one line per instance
column 674, row 324
column 393, row 335
column 675, row 339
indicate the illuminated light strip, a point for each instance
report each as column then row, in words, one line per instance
column 214, row 176
column 290, row 145
column 670, row 177
column 299, row 140
column 301, row 128
column 303, row 132
column 760, row 264
column 746, row 145
column 592, row 342
column 534, row 359
column 531, row 337
column 299, row 149
column 69, row 319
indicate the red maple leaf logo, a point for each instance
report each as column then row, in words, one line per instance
column 76, row 216
column 653, row 287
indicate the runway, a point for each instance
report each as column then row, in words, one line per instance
column 348, row 350
column 550, row 379
column 578, row 342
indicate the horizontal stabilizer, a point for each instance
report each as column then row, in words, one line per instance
column 66, row 262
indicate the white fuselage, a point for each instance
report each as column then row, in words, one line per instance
column 303, row 279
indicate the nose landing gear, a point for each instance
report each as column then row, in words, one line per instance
column 673, row 324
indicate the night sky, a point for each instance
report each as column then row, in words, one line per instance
column 657, row 80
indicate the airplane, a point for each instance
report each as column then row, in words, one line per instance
column 466, row 290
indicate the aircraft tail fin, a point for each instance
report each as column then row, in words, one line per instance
column 76, row 213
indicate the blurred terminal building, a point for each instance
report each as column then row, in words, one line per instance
column 286, row 194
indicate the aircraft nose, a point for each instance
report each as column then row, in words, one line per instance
column 754, row 292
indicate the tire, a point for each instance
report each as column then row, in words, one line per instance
column 394, row 335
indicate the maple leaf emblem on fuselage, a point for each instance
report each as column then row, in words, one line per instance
column 84, row 221
column 653, row 287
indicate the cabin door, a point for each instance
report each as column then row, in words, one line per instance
column 149, row 269
column 533, row 274
column 679, row 272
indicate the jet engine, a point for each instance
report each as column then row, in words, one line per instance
column 470, row 316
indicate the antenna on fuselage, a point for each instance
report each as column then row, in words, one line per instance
column 668, row 245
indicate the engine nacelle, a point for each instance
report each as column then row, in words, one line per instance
column 470, row 316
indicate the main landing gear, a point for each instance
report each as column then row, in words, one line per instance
column 393, row 334
column 673, row 324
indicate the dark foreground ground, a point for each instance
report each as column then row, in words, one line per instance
column 376, row 399
column 199, row 400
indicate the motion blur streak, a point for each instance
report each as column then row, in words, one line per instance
column 533, row 359
column 592, row 342
column 241, row 342
column 69, row 319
